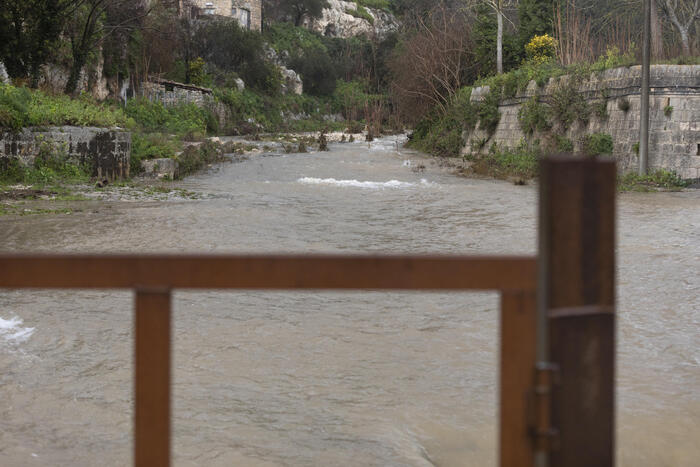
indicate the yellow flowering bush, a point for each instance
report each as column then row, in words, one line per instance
column 541, row 48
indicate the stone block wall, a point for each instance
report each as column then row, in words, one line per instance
column 105, row 151
column 674, row 139
column 171, row 93
column 225, row 8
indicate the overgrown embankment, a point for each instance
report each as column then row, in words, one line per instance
column 506, row 123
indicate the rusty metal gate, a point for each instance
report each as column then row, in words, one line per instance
column 556, row 402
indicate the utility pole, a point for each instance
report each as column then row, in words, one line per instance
column 644, row 124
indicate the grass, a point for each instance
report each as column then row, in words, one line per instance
column 21, row 107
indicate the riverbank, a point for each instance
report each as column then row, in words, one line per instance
column 59, row 186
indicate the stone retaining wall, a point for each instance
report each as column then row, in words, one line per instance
column 674, row 139
column 105, row 151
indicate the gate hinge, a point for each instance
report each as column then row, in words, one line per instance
column 544, row 435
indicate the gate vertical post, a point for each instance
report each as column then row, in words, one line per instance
column 152, row 379
column 576, row 306
column 517, row 354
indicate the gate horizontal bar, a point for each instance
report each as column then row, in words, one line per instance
column 271, row 272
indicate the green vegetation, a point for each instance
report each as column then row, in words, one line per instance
column 360, row 12
column 534, row 116
column 668, row 111
column 663, row 180
column 52, row 166
column 597, row 144
column 521, row 162
column 21, row 107
column 194, row 158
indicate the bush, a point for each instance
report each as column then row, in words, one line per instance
column 187, row 120
column 14, row 107
column 568, row 105
column 534, row 116
column 230, row 48
column 194, row 158
column 522, row 161
column 564, row 144
column 52, row 165
column 598, row 143
column 659, row 179
column 613, row 59
column 151, row 146
column 488, row 113
column 623, row 104
column 541, row 48
column 317, row 72
column 441, row 135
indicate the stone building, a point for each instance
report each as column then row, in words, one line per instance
column 247, row 12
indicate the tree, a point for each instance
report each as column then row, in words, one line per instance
column 440, row 57
column 683, row 14
column 93, row 22
column 499, row 7
column 535, row 19
column 29, row 30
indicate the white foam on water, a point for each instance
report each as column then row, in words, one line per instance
column 358, row 184
column 12, row 330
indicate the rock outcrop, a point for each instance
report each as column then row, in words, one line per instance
column 337, row 21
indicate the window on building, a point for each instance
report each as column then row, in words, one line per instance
column 244, row 18
column 209, row 8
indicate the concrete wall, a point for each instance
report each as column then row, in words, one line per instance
column 674, row 140
column 105, row 151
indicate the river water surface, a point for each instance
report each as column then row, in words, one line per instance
column 325, row 379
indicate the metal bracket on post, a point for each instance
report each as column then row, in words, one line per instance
column 544, row 435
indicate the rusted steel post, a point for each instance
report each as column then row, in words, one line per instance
column 577, row 293
column 516, row 377
column 152, row 379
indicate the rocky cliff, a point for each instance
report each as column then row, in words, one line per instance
column 345, row 19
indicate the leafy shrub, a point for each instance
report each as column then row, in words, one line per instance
column 564, row 144
column 623, row 104
column 14, row 107
column 601, row 109
column 441, row 134
column 188, row 120
column 151, row 146
column 668, row 111
column 533, row 116
column 194, row 158
column 316, row 70
column 598, row 143
column 568, row 105
column 198, row 74
column 52, row 165
column 541, row 48
column 489, row 116
column 613, row 59
column 230, row 48
column 521, row 161
column 659, row 179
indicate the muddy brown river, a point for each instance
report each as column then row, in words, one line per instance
column 331, row 379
